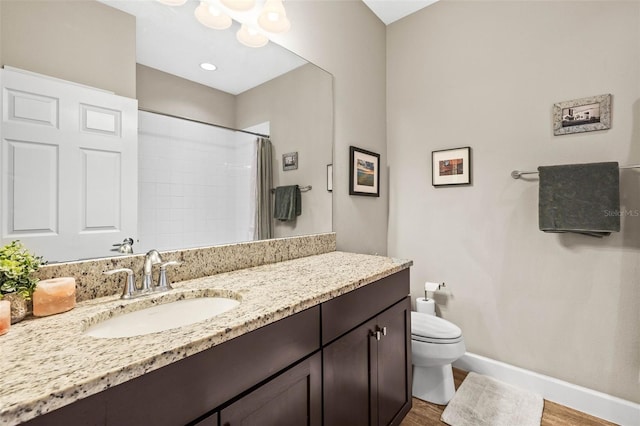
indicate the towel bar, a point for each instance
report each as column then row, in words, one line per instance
column 302, row 188
column 516, row 174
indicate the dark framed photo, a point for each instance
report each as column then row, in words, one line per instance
column 582, row 115
column 290, row 161
column 451, row 167
column 364, row 172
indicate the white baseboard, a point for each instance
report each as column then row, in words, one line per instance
column 598, row 404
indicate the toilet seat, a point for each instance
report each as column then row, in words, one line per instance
column 431, row 329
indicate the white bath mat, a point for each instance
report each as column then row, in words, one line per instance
column 483, row 401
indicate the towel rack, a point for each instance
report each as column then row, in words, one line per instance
column 306, row 188
column 516, row 174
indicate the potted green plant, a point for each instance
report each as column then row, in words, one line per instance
column 17, row 280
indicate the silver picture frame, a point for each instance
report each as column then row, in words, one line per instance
column 582, row 115
column 290, row 161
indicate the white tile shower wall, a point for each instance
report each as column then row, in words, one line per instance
column 194, row 184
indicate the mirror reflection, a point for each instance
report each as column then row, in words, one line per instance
column 195, row 174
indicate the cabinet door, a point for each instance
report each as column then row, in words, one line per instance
column 394, row 363
column 349, row 375
column 291, row 398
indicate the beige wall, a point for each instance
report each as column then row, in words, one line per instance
column 348, row 40
column 486, row 74
column 298, row 105
column 80, row 41
column 162, row 92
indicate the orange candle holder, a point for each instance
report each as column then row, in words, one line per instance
column 54, row 296
column 5, row 316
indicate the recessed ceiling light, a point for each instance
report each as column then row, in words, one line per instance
column 208, row 66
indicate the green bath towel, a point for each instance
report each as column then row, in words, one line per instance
column 580, row 198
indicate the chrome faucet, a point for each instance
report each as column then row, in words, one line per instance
column 151, row 258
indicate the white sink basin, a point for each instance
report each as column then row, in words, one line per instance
column 162, row 317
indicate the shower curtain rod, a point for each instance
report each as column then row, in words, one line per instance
column 516, row 174
column 193, row 120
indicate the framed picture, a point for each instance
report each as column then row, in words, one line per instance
column 290, row 161
column 451, row 167
column 330, row 177
column 582, row 115
column 364, row 172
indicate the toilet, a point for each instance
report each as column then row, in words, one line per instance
column 435, row 344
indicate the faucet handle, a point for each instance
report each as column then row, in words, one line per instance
column 163, row 281
column 130, row 287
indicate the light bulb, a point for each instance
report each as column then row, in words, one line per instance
column 273, row 17
column 205, row 16
column 239, row 5
column 251, row 37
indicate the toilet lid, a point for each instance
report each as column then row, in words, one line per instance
column 432, row 329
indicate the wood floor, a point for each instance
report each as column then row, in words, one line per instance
column 427, row 414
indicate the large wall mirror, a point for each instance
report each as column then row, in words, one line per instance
column 193, row 181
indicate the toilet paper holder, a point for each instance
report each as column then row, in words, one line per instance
column 432, row 287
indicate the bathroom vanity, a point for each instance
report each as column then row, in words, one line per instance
column 323, row 339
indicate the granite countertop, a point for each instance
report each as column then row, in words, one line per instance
column 48, row 362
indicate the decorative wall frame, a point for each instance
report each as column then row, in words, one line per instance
column 364, row 172
column 330, row 177
column 451, row 167
column 582, row 115
column 290, row 161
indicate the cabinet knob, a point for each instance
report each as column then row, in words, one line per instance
column 376, row 334
column 384, row 331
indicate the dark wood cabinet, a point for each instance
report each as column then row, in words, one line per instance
column 394, row 364
column 294, row 398
column 347, row 375
column 353, row 351
column 189, row 389
column 367, row 371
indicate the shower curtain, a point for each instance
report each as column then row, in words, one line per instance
column 264, row 183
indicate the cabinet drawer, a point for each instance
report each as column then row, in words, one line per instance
column 352, row 309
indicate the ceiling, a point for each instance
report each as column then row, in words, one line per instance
column 172, row 40
column 391, row 10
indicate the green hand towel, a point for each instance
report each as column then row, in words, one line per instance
column 288, row 203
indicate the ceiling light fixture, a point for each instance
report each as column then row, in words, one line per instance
column 211, row 17
column 254, row 25
column 207, row 66
column 273, row 17
column 251, row 37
